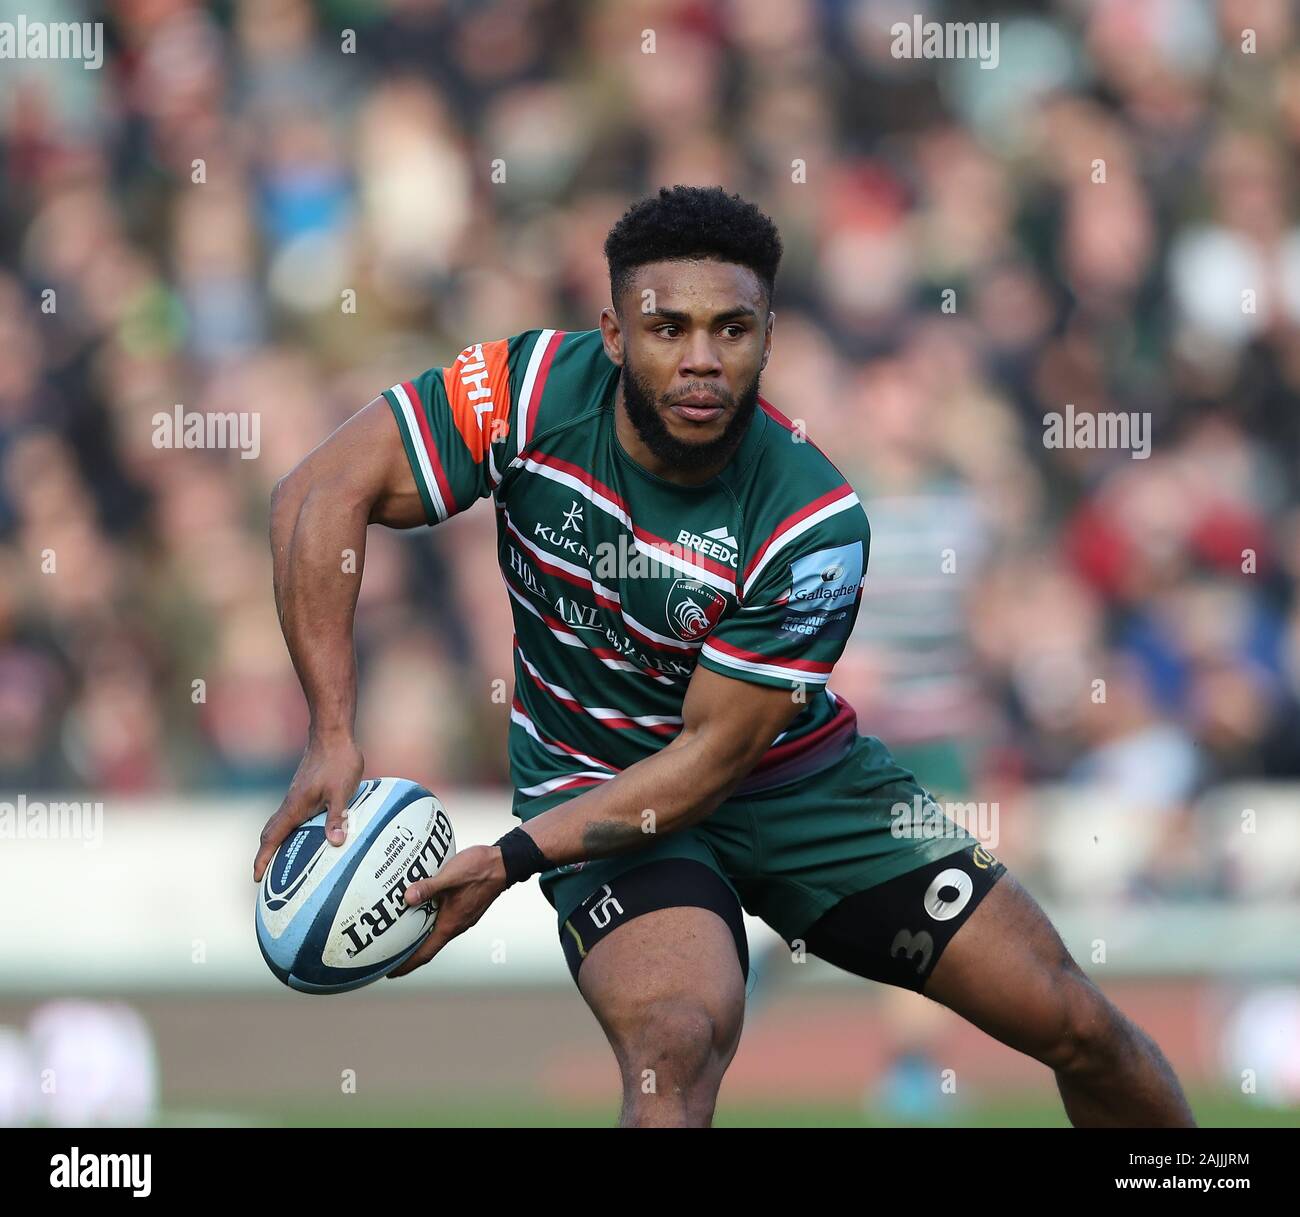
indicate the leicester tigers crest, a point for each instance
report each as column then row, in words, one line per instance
column 693, row 609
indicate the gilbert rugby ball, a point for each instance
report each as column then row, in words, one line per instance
column 332, row 917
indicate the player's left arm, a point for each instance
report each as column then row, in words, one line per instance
column 727, row 726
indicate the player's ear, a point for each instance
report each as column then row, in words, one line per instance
column 611, row 334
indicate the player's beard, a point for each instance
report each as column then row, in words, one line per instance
column 642, row 412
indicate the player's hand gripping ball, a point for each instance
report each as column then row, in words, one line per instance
column 332, row 918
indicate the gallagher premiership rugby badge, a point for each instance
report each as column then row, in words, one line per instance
column 823, row 590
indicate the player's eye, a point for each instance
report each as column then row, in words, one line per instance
column 667, row 325
column 740, row 330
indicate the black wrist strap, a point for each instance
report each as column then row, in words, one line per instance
column 522, row 856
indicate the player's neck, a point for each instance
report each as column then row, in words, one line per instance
column 640, row 452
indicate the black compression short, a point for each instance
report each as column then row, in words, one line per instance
column 670, row 883
column 896, row 932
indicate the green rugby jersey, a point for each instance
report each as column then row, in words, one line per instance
column 620, row 581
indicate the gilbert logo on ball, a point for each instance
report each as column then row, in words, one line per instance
column 332, row 918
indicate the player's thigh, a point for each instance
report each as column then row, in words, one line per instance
column 1009, row 973
column 658, row 952
column 668, row 990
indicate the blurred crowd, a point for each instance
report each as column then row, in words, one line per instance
column 284, row 207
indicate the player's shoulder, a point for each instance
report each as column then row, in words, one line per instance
column 557, row 378
column 521, row 386
column 795, row 500
column 793, row 476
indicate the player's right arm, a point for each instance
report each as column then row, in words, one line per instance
column 419, row 453
column 319, row 514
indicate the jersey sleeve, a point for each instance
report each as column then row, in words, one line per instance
column 459, row 424
column 800, row 594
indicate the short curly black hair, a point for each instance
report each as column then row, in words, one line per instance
column 692, row 222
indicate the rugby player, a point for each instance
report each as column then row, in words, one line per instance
column 684, row 566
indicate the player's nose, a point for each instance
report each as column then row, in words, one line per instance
column 700, row 359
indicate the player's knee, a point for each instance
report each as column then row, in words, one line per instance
column 677, row 1045
column 1089, row 1034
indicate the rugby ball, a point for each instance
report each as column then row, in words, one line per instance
column 332, row 917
